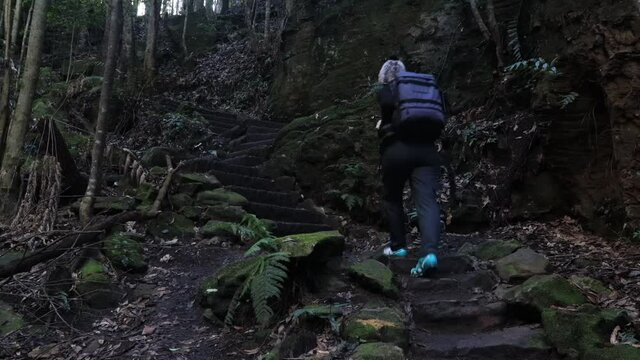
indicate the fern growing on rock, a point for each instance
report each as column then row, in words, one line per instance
column 264, row 283
column 249, row 229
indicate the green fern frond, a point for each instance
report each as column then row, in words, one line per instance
column 267, row 244
column 568, row 99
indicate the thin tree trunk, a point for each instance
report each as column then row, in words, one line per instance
column 18, row 128
column 495, row 30
column 225, row 6
column 16, row 25
column 267, row 18
column 153, row 10
column 128, row 44
column 6, row 82
column 209, row 8
column 97, row 154
column 25, row 35
column 476, row 14
column 187, row 10
column 70, row 67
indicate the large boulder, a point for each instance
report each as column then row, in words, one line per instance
column 223, row 212
column 374, row 276
column 590, row 285
column 201, row 180
column 521, row 265
column 125, row 252
column 94, row 285
column 377, row 324
column 543, row 291
column 378, row 351
column 221, row 196
column 180, row 200
column 9, row 320
column 314, row 247
column 585, row 331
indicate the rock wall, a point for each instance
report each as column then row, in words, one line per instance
column 586, row 153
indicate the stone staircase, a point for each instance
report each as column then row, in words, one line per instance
column 240, row 169
column 456, row 315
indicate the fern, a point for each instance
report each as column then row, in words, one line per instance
column 264, row 282
column 249, row 229
column 514, row 40
column 534, row 67
column 352, row 201
column 267, row 244
column 568, row 99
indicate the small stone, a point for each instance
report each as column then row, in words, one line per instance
column 374, row 276
column 221, row 196
column 521, row 265
column 543, row 291
column 378, row 351
column 493, row 250
column 373, row 324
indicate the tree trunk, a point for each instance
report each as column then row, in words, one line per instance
column 25, row 35
column 128, row 44
column 153, row 13
column 267, row 16
column 225, row 6
column 187, row 10
column 18, row 128
column 209, row 8
column 97, row 154
column 198, row 5
column 6, row 82
column 495, row 31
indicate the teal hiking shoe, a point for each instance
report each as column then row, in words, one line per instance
column 424, row 264
column 400, row 253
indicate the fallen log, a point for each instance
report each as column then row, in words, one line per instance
column 75, row 240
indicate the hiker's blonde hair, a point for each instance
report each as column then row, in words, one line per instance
column 390, row 71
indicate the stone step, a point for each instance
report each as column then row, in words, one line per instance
column 280, row 198
column 476, row 281
column 255, row 144
column 255, row 129
column 259, row 137
column 452, row 264
column 451, row 314
column 244, row 160
column 222, row 121
column 265, row 123
column 281, row 213
column 253, row 171
column 253, row 182
column 517, row 342
column 260, row 151
column 290, row 228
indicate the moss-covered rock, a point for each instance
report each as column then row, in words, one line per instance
column 215, row 228
column 317, row 247
column 9, row 320
column 191, row 212
column 156, row 156
column 146, row 193
column 178, row 201
column 373, row 324
column 619, row 352
column 378, row 351
column 111, row 204
column 521, row 265
column 590, row 285
column 576, row 333
column 202, row 181
column 543, row 291
column 94, row 285
column 225, row 213
column 221, row 196
column 493, row 250
column 169, row 225
column 375, row 276
column 125, row 252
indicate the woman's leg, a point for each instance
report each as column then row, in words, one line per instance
column 425, row 183
column 394, row 177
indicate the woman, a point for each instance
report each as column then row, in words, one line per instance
column 414, row 158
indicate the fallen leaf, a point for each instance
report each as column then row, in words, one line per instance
column 148, row 330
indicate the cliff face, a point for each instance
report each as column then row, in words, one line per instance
column 586, row 152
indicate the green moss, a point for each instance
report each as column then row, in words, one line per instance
column 575, row 333
column 146, row 193
column 9, row 320
column 78, row 144
column 378, row 351
column 375, row 276
column 590, row 285
column 218, row 196
column 191, row 212
column 203, row 181
column 93, row 271
column 214, row 227
column 377, row 324
column 170, row 225
column 322, row 245
column 226, row 213
column 124, row 252
column 178, row 201
column 620, row 352
column 543, row 291
column 493, row 250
